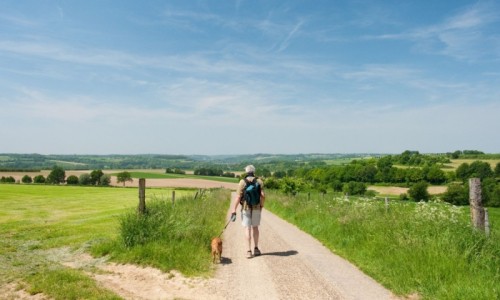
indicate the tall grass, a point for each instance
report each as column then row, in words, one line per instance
column 424, row 248
column 170, row 236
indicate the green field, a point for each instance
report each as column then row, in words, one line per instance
column 39, row 221
column 423, row 249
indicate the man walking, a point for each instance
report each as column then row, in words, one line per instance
column 250, row 209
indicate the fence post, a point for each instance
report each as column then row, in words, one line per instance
column 386, row 204
column 173, row 197
column 476, row 203
column 142, row 195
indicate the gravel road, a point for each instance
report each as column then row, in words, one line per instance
column 293, row 265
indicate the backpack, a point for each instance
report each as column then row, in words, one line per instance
column 251, row 192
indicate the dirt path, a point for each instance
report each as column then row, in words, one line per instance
column 293, row 265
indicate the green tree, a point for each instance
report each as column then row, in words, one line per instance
column 418, row 191
column 8, row 179
column 57, row 175
column 39, row 179
column 85, row 179
column 456, row 194
column 435, row 175
column 105, row 180
column 480, row 169
column 354, row 188
column 497, row 170
column 123, row 177
column 463, row 172
column 95, row 177
column 27, row 179
column 72, row 179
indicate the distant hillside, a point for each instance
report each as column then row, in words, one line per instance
column 22, row 162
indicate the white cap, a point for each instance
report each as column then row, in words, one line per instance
column 250, row 169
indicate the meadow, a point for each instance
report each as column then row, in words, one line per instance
column 38, row 222
column 424, row 249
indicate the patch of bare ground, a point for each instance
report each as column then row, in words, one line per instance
column 15, row 291
column 396, row 191
column 135, row 282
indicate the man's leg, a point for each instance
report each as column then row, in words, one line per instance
column 248, row 238
column 255, row 231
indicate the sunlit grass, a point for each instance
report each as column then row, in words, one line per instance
column 424, row 248
column 37, row 221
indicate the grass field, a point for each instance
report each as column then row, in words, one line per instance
column 424, row 249
column 455, row 163
column 37, row 221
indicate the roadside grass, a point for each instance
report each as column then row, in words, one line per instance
column 36, row 221
column 163, row 236
column 424, row 248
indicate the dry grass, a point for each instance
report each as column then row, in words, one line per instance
column 455, row 163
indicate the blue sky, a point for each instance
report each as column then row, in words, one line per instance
column 243, row 77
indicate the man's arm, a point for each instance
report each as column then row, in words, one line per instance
column 236, row 203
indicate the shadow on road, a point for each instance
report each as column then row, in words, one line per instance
column 283, row 253
column 225, row 261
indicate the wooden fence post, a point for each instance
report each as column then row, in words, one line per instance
column 142, row 195
column 476, row 203
column 173, row 197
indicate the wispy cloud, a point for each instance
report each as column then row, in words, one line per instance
column 18, row 20
column 467, row 35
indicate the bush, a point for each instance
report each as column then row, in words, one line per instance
column 72, row 179
column 27, row 179
column 85, row 179
column 456, row 194
column 105, row 180
column 418, row 192
column 39, row 179
column 8, row 179
column 56, row 176
column 354, row 188
column 271, row 183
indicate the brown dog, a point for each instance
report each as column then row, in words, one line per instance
column 216, row 249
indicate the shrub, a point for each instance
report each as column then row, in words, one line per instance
column 354, row 188
column 8, row 179
column 27, row 179
column 39, row 179
column 457, row 194
column 72, row 179
column 85, row 179
column 105, row 180
column 418, row 191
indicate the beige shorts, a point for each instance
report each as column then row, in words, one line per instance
column 250, row 217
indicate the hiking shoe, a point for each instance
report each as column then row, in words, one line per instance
column 249, row 254
column 256, row 251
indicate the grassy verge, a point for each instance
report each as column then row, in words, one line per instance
column 36, row 221
column 424, row 248
column 162, row 237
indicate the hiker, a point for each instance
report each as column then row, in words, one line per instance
column 250, row 187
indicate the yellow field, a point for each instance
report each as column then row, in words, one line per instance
column 455, row 163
